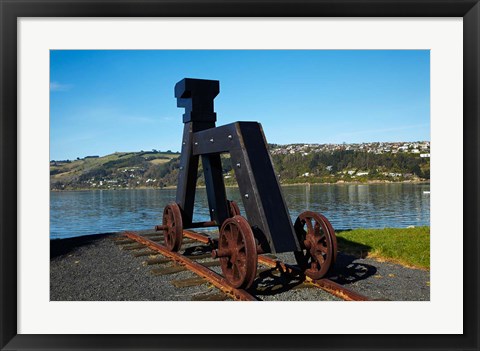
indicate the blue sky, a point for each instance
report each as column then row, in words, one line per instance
column 105, row 101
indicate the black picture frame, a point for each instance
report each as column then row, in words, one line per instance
column 10, row 10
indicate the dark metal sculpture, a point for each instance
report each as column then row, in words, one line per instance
column 269, row 228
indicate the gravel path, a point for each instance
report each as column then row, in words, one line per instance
column 94, row 268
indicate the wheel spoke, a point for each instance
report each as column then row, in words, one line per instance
column 236, row 271
column 231, row 235
column 239, row 238
column 241, row 269
column 321, row 259
column 235, row 234
column 241, row 257
column 240, row 247
column 223, row 243
column 317, row 228
column 320, row 240
column 308, row 222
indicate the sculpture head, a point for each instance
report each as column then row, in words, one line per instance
column 196, row 96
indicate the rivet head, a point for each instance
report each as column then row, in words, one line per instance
column 246, row 196
column 211, row 140
column 183, row 143
column 181, row 167
column 230, row 137
column 238, row 165
column 213, row 210
column 196, row 143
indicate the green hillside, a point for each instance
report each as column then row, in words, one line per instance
column 294, row 163
column 118, row 170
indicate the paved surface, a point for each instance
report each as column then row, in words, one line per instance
column 94, row 268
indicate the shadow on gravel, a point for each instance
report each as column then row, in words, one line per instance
column 272, row 281
column 60, row 247
column 197, row 250
column 346, row 271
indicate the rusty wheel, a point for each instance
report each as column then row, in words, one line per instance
column 334, row 239
column 318, row 242
column 237, row 252
column 233, row 208
column 172, row 219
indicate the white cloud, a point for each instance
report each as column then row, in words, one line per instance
column 56, row 86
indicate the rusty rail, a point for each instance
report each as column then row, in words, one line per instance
column 339, row 290
column 197, row 236
column 214, row 278
column 324, row 284
column 193, row 225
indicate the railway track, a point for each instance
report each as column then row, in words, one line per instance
column 150, row 245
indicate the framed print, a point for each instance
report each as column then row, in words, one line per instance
column 52, row 50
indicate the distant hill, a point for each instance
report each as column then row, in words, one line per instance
column 293, row 163
column 118, row 170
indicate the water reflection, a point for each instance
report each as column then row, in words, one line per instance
column 347, row 206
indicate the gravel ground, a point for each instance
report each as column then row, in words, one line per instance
column 94, row 268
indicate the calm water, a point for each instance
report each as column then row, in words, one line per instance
column 346, row 206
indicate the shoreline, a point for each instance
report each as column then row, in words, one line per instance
column 96, row 235
column 340, row 182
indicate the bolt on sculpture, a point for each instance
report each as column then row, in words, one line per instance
column 268, row 228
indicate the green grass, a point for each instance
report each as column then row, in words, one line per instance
column 409, row 246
